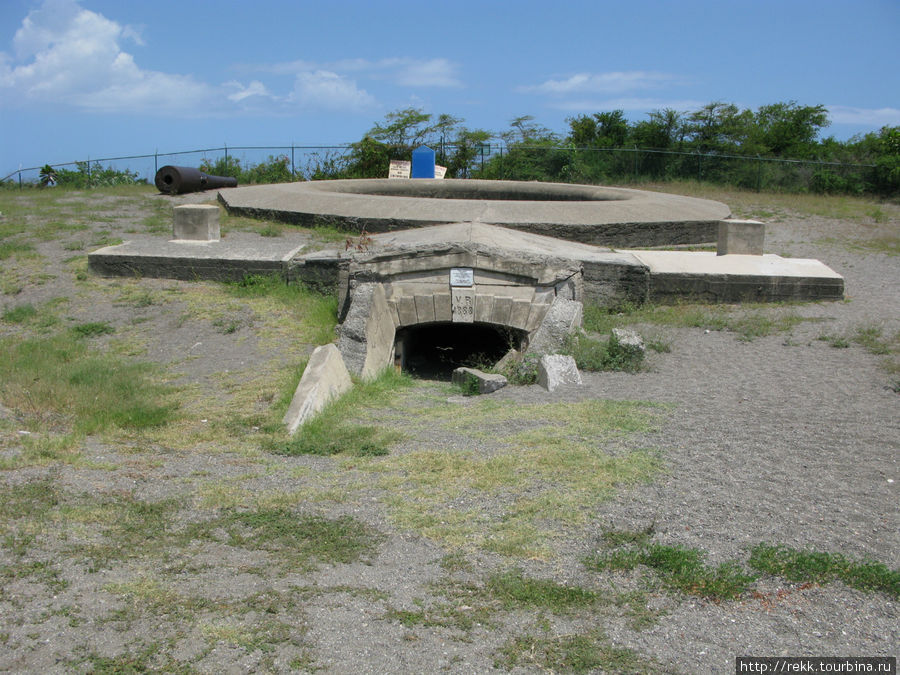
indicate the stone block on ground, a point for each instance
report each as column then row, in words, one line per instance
column 486, row 382
column 562, row 320
column 629, row 342
column 742, row 237
column 196, row 222
column 557, row 370
column 324, row 379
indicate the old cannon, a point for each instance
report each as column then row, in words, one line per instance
column 176, row 180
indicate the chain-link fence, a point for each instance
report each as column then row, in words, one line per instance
column 491, row 161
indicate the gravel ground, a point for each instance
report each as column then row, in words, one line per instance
column 782, row 439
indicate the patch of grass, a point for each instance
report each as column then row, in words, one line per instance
column 822, row 568
column 680, row 569
column 36, row 570
column 14, row 249
column 315, row 313
column 544, row 479
column 574, row 653
column 46, row 450
column 515, row 591
column 319, row 437
column 33, row 500
column 596, row 355
column 60, row 379
column 748, row 321
column 271, row 230
column 300, row 539
column 92, row 329
column 19, row 314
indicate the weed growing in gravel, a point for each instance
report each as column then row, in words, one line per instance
column 574, row 653
column 513, row 590
column 19, row 314
column 821, row 568
column 92, row 329
column 300, row 540
column 679, row 568
column 592, row 354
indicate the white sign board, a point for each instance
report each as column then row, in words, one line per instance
column 399, row 169
column 462, row 276
column 440, row 171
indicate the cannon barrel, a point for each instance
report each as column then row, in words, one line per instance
column 176, row 180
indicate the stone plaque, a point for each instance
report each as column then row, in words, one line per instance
column 462, row 305
column 462, row 276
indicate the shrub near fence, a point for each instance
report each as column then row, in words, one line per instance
column 548, row 163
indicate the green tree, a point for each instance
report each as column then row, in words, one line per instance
column 787, row 130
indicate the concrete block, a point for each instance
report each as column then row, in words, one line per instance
column 502, row 310
column 484, row 307
column 486, row 382
column 442, row 311
column 742, row 237
column 518, row 315
column 406, row 310
column 562, row 319
column 324, row 379
column 424, row 308
column 557, row 370
column 196, row 222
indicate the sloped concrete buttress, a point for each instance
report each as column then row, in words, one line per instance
column 367, row 334
column 324, row 379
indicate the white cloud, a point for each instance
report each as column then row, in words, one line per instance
column 402, row 71
column 407, row 72
column 605, row 83
column 71, row 55
column 872, row 117
column 255, row 88
column 326, row 89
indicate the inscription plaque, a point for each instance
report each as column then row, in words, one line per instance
column 462, row 305
column 462, row 276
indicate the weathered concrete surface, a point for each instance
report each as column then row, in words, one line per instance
column 557, row 370
column 367, row 334
column 486, row 382
column 239, row 254
column 584, row 213
column 742, row 237
column 198, row 222
column 324, row 379
column 561, row 321
column 708, row 277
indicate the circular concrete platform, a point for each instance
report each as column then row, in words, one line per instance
column 590, row 214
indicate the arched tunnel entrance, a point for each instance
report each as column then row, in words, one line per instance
column 434, row 350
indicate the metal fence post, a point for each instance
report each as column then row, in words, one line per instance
column 226, row 157
column 20, row 180
column 293, row 173
column 156, row 161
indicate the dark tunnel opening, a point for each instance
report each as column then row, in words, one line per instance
column 434, row 350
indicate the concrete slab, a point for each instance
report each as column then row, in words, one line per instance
column 324, row 379
column 709, row 277
column 239, row 254
column 594, row 214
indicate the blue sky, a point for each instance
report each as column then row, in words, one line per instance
column 99, row 78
